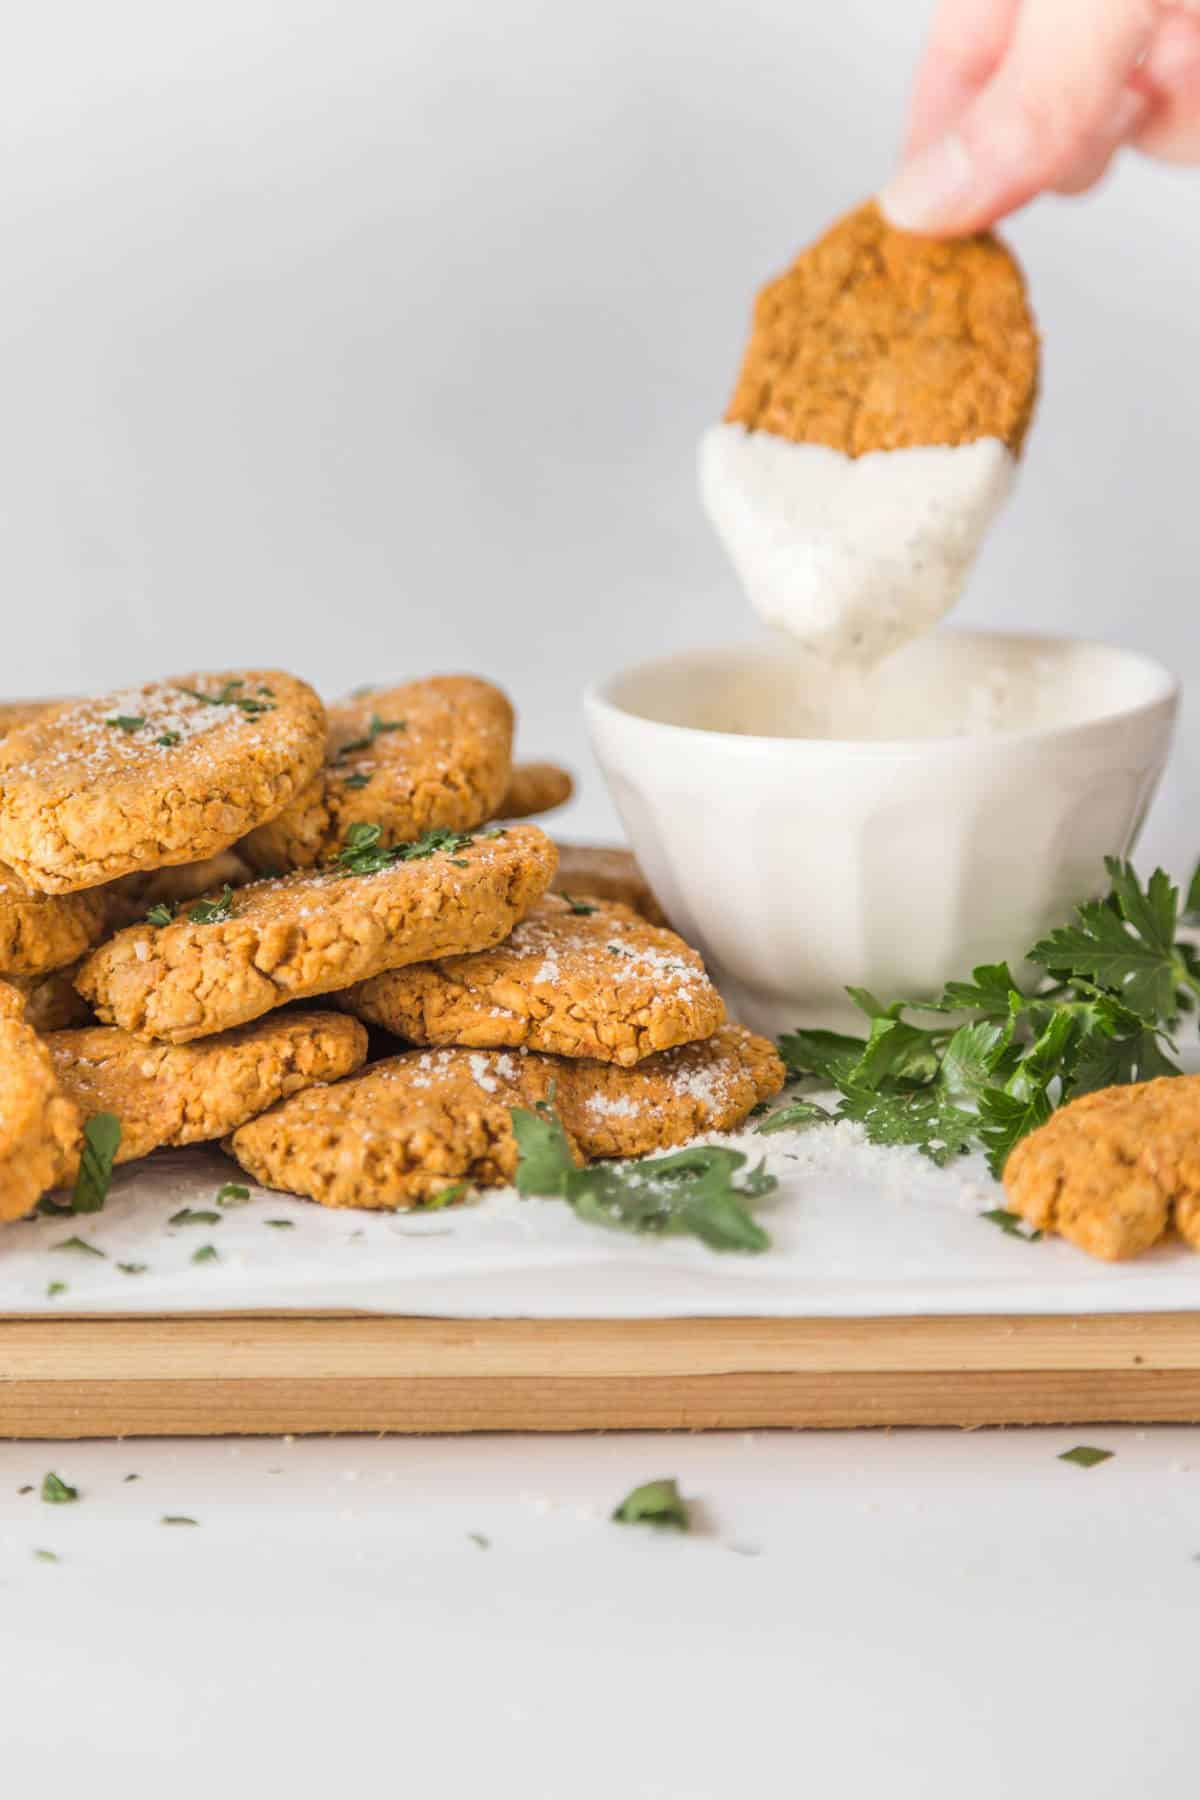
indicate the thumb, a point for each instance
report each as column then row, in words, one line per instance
column 1048, row 106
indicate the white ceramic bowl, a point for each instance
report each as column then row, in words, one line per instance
column 800, row 864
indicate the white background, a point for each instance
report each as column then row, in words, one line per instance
column 372, row 338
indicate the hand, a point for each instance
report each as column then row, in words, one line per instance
column 1017, row 96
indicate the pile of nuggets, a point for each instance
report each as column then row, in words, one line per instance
column 211, row 886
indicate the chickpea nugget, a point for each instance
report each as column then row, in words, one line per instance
column 191, row 1093
column 413, row 1130
column 670, row 1098
column 535, row 788
column 39, row 1125
column 41, row 932
column 577, row 977
column 433, row 753
column 168, row 772
column 1113, row 1170
column 225, row 962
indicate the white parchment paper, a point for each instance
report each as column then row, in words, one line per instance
column 856, row 1232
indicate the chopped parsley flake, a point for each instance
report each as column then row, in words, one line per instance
column 232, row 1193
column 205, row 1254
column 161, row 913
column 78, row 1244
column 101, row 1139
column 169, row 739
column 45, row 1556
column 658, row 1503
column 54, row 1289
column 357, row 781
column 126, row 721
column 1011, row 1224
column 579, row 907
column 177, row 1519
column 376, row 727
column 478, row 1538
column 133, row 1268
column 364, row 854
column 213, row 912
column 56, row 1491
column 229, row 696
column 188, row 1215
column 281, row 1224
column 1085, row 1456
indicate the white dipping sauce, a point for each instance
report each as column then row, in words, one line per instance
column 852, row 556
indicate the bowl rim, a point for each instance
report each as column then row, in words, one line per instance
column 598, row 699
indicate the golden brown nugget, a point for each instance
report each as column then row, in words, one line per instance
column 876, row 339
column 609, row 872
column 191, row 1093
column 578, row 977
column 670, row 1098
column 409, row 1131
column 40, row 932
column 1113, row 1170
column 52, row 1002
column 39, row 1126
column 14, row 713
column 535, row 788
column 314, row 932
column 433, row 753
column 168, row 772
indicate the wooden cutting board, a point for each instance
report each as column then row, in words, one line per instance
column 261, row 1373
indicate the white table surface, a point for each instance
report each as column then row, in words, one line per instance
column 908, row 1614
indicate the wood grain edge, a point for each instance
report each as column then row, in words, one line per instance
column 63, row 1378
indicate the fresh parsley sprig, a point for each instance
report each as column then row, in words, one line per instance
column 1117, row 983
column 690, row 1193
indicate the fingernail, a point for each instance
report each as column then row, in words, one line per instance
column 929, row 186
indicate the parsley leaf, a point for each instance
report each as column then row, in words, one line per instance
column 544, row 1155
column 363, row 853
column 927, row 1119
column 79, row 1244
column 230, row 696
column 798, row 1115
column 829, row 1055
column 101, row 1139
column 690, row 1193
column 1126, row 944
column 376, row 727
column 658, row 1503
column 1011, row 1224
column 1085, row 1456
column 56, row 1491
column 213, row 912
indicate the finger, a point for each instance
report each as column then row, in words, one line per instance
column 1170, row 76
column 1091, row 163
column 967, row 40
column 1045, row 107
